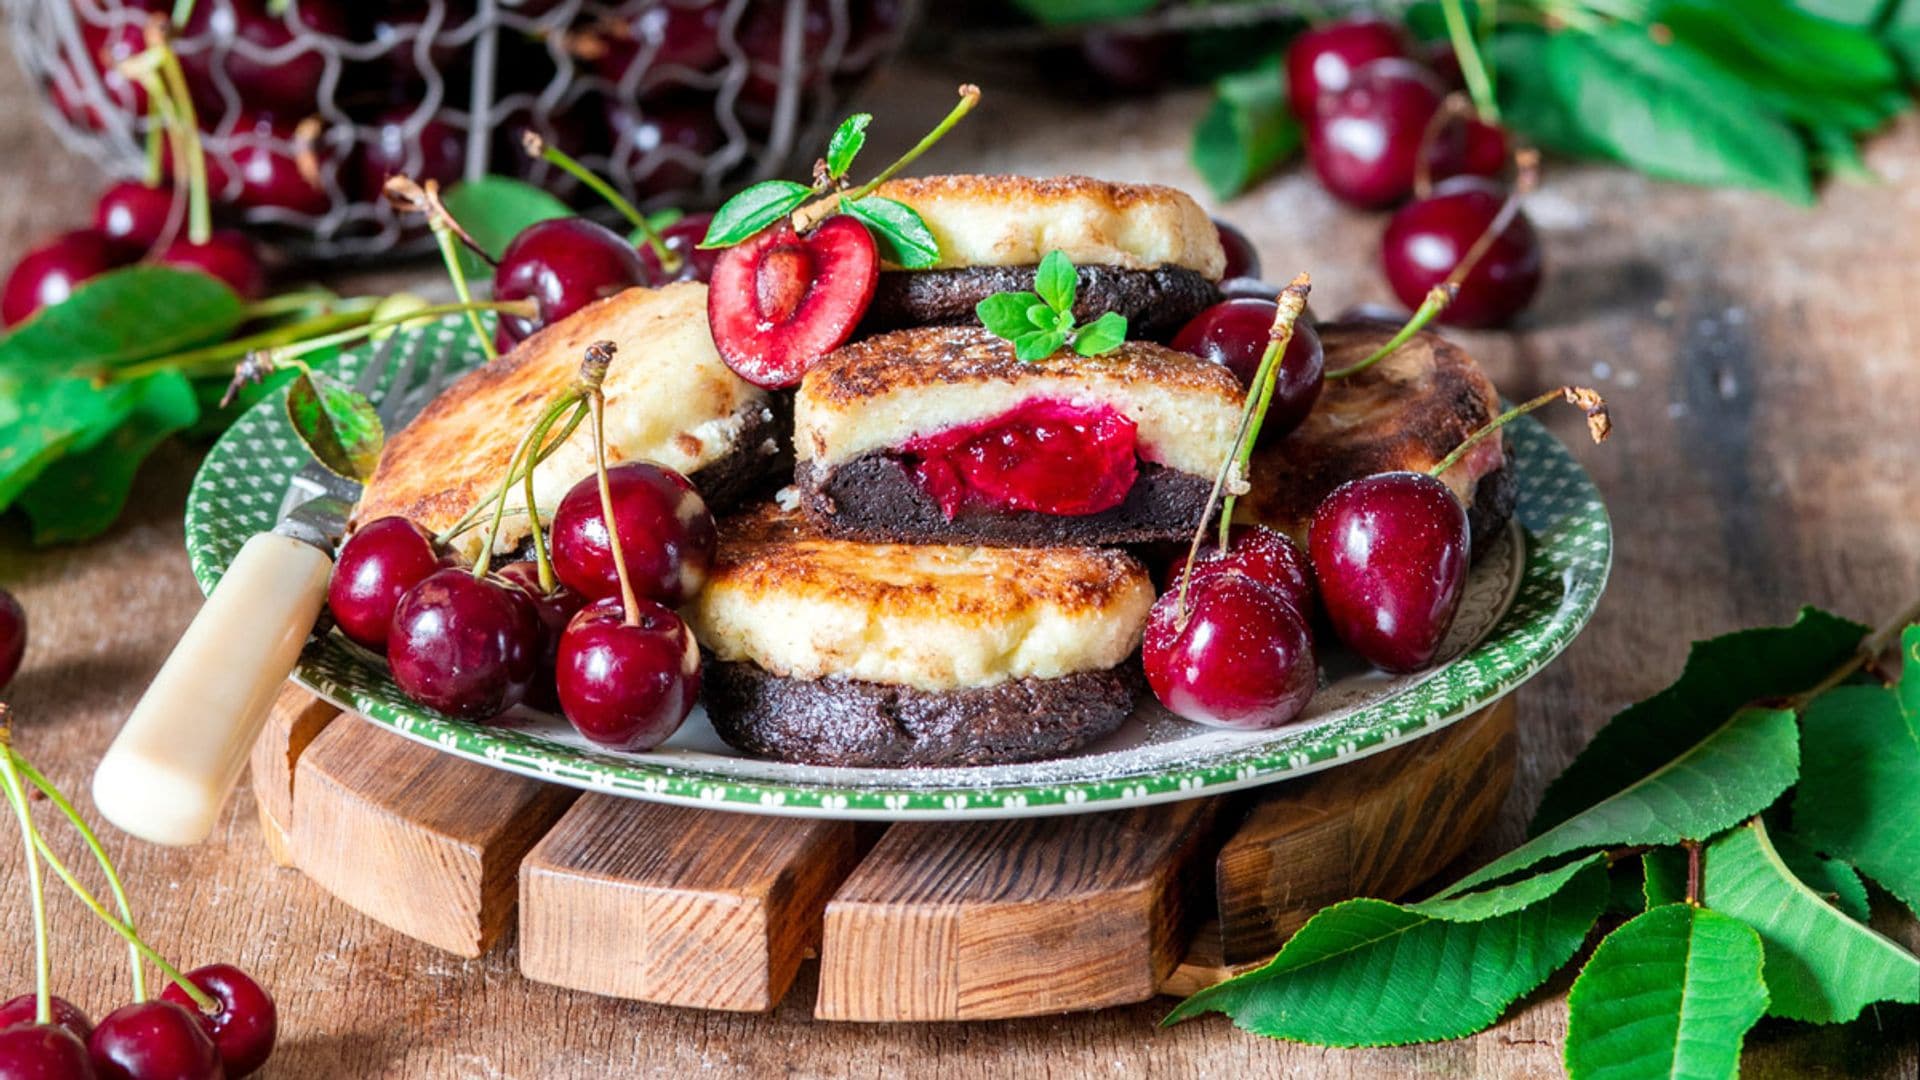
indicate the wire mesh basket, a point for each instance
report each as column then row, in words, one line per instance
column 305, row 111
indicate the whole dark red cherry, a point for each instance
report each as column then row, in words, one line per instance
column 134, row 216
column 424, row 148
column 107, row 48
column 463, row 645
column 1367, row 138
column 1242, row 260
column 275, row 61
column 556, row 609
column 1129, row 63
column 624, row 686
column 1265, row 555
column 13, row 643
column 676, row 40
column 49, row 273
column 228, row 254
column 1244, row 659
column 377, row 565
column 762, row 37
column 1428, row 237
column 662, row 149
column 1247, row 288
column 23, row 1009
column 399, row 26
column 1235, row 333
column 245, row 1025
column 667, row 537
column 563, row 265
column 780, row 301
column 154, row 1040
column 1473, row 148
column 266, row 169
column 683, row 239
column 43, row 1052
column 1322, row 60
column 1390, row 554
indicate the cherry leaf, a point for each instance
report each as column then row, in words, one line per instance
column 81, row 495
column 904, row 238
column 754, row 209
column 847, row 140
column 337, row 423
column 135, row 313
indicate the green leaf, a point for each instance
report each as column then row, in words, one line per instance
column 1005, row 314
column 1837, row 883
column 81, row 495
column 135, row 313
column 1807, row 50
column 754, row 209
column 494, row 210
column 1042, row 317
column 904, row 238
column 847, row 140
column 1721, row 674
column 1370, row 973
column 1902, row 33
column 1247, row 131
column 1038, row 344
column 1531, row 102
column 45, row 416
column 1670, row 994
column 1102, row 335
column 1056, row 281
column 1851, row 12
column 1821, row 966
column 1859, row 794
column 1733, row 773
column 338, row 424
column 1062, row 12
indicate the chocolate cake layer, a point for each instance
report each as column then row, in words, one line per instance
column 875, row 498
column 760, row 461
column 1494, row 499
column 1157, row 303
column 860, row 724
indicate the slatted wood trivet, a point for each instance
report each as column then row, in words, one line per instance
column 935, row 921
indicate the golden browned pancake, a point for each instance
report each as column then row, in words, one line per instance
column 670, row 400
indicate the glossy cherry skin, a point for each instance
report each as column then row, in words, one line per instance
column 434, row 150
column 13, row 644
column 682, row 238
column 134, row 216
column 1473, row 148
column 676, row 39
column 288, row 81
column 1322, row 60
column 1265, row 555
column 1244, row 659
column 1235, row 333
column 1367, row 138
column 228, row 254
column 466, row 646
column 247, row 1022
column 556, row 609
column 156, row 1040
column 1428, row 237
column 627, row 687
column 667, row 536
column 563, row 265
column 1129, row 63
column 662, row 149
column 48, row 274
column 1390, row 554
column 781, row 301
column 1243, row 261
column 265, row 171
column 43, row 1052
column 66, row 1014
column 377, row 565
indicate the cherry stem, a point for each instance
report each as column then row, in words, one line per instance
column 599, row 356
column 1437, row 299
column 272, row 358
column 538, row 149
column 182, row 11
column 542, row 561
column 1454, row 108
column 514, row 476
column 92, row 841
column 1869, row 651
column 1599, row 423
column 969, row 97
column 523, row 458
column 43, row 1001
column 1693, row 871
column 220, row 357
column 1473, row 66
column 288, row 303
column 186, row 131
column 407, row 195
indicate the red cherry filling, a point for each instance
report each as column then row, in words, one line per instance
column 1047, row 456
column 780, row 301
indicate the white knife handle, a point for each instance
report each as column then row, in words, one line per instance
column 168, row 773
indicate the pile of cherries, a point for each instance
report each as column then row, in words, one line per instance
column 168, row 1038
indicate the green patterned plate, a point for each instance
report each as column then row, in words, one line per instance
column 1527, row 598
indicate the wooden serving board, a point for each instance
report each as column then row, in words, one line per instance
column 943, row 921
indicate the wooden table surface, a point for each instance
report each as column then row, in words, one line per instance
column 1761, row 364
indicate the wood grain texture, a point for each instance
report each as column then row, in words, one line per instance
column 967, row 921
column 678, row 906
column 426, row 843
column 296, row 719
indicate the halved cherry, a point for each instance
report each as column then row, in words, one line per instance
column 780, row 301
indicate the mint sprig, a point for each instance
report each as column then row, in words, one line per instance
column 1041, row 323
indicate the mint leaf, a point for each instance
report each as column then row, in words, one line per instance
column 135, row 313
column 847, row 140
column 754, row 209
column 1821, row 966
column 1005, row 314
column 1102, row 335
column 1043, row 317
column 1671, row 993
column 494, row 210
column 337, row 423
column 1721, row 674
column 1733, row 773
column 1247, row 131
column 1370, row 973
column 904, row 238
column 81, row 495
column 1859, row 794
column 1056, row 281
column 1038, row 344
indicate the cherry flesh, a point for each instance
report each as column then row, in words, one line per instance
column 1367, row 138
column 245, row 1025
column 13, row 648
column 134, row 216
column 667, row 537
column 463, row 645
column 1243, row 261
column 228, row 255
column 562, row 265
column 43, row 1052
column 1427, row 238
column 377, row 565
column 154, row 1040
column 1265, row 555
column 1322, row 60
column 623, row 686
column 1051, row 457
column 48, row 274
column 1243, row 660
column 682, row 238
column 1390, row 555
column 23, row 1009
column 555, row 609
column 781, row 301
column 1235, row 333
